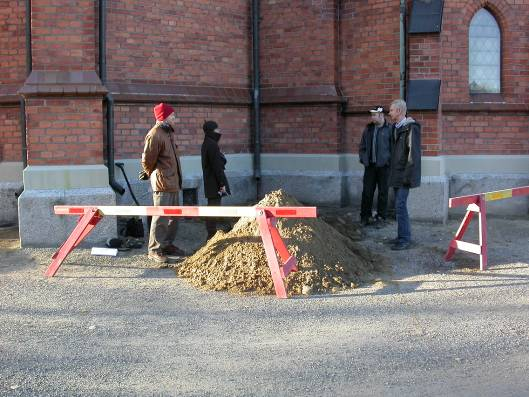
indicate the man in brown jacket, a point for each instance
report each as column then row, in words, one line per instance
column 161, row 164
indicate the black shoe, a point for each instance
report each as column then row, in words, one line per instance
column 400, row 246
column 380, row 222
column 364, row 222
column 393, row 241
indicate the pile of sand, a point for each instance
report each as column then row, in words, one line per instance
column 235, row 261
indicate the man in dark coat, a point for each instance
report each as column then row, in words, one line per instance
column 374, row 153
column 213, row 165
column 405, row 168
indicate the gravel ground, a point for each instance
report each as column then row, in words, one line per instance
column 120, row 326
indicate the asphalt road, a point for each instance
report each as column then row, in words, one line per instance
column 119, row 326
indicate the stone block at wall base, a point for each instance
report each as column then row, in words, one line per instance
column 352, row 186
column 8, row 197
column 312, row 188
column 40, row 227
column 242, row 186
column 429, row 202
column 475, row 183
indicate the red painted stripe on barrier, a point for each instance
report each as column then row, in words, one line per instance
column 76, row 210
column 172, row 212
column 463, row 200
column 520, row 191
column 291, row 212
column 286, row 212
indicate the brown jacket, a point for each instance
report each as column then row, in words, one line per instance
column 161, row 160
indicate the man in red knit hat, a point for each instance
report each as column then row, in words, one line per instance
column 161, row 164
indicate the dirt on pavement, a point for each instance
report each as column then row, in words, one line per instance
column 328, row 261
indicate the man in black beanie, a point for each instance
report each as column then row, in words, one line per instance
column 213, row 165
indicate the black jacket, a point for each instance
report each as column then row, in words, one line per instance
column 213, row 164
column 405, row 168
column 383, row 145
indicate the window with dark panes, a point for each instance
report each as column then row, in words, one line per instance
column 484, row 45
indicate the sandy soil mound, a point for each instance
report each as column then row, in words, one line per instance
column 235, row 261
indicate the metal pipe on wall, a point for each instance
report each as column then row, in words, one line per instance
column 29, row 67
column 256, row 97
column 402, row 47
column 108, row 101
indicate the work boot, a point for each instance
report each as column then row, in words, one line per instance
column 157, row 257
column 173, row 250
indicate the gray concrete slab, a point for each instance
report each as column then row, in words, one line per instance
column 40, row 227
column 9, row 192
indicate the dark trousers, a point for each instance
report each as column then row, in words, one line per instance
column 403, row 219
column 375, row 178
column 211, row 223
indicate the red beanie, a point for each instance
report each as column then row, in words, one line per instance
column 162, row 111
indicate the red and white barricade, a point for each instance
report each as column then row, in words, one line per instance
column 476, row 204
column 89, row 216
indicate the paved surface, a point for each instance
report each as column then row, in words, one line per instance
column 119, row 326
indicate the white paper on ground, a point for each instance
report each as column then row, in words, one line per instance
column 104, row 251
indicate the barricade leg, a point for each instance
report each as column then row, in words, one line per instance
column 289, row 262
column 480, row 249
column 84, row 226
column 459, row 235
column 482, row 216
column 271, row 256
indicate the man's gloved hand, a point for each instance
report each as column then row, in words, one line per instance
column 143, row 175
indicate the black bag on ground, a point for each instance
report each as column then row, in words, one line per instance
column 134, row 228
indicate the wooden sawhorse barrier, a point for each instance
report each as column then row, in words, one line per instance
column 89, row 216
column 476, row 204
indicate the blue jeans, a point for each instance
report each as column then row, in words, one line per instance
column 403, row 221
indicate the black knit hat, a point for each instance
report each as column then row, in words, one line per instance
column 209, row 126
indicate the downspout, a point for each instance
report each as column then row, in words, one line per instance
column 108, row 101
column 29, row 66
column 402, row 44
column 256, row 98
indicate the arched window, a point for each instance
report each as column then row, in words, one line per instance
column 484, row 68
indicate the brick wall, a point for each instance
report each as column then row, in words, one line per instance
column 302, row 44
column 134, row 121
column 65, row 34
column 301, row 129
column 430, row 137
column 64, row 131
column 354, row 127
column 12, row 42
column 297, row 43
column 370, row 55
column 194, row 42
column 12, row 75
column 10, row 142
column 485, row 133
column 424, row 51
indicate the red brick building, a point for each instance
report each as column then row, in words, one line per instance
column 78, row 82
